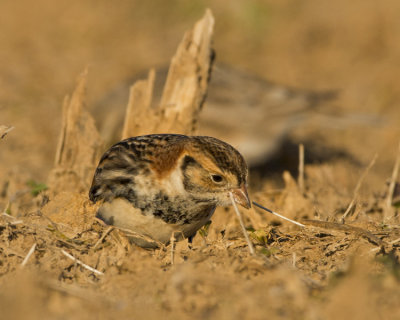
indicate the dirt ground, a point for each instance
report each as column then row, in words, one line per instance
column 58, row 262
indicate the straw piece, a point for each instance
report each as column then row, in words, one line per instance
column 4, row 130
column 357, row 188
column 249, row 243
column 103, row 236
column 30, row 252
column 301, row 168
column 278, row 215
column 389, row 198
column 81, row 263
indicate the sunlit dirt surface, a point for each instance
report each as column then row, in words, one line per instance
column 323, row 271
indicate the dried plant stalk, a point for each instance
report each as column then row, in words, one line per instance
column 358, row 186
column 185, row 88
column 4, row 130
column 301, row 168
column 65, row 253
column 27, row 257
column 278, row 215
column 389, row 212
column 79, row 145
column 246, row 236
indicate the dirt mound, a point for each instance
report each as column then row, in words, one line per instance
column 81, row 268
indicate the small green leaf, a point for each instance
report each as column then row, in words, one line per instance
column 203, row 231
column 36, row 187
column 268, row 251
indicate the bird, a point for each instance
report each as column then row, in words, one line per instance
column 160, row 187
column 254, row 114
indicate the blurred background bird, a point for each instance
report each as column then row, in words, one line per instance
column 256, row 116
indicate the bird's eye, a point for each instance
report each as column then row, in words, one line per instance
column 216, row 178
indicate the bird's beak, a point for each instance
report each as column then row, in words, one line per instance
column 241, row 197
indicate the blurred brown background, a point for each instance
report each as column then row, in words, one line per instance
column 276, row 61
column 348, row 47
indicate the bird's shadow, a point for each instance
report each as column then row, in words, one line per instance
column 286, row 158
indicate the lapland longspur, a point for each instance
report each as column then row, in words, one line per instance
column 161, row 185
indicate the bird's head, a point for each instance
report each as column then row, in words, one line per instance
column 205, row 168
column 212, row 169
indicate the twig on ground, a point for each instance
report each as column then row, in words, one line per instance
column 15, row 222
column 14, row 219
column 277, row 214
column 30, row 252
column 172, row 240
column 294, row 259
column 394, row 241
column 300, row 180
column 81, row 263
column 346, row 228
column 103, row 236
column 358, row 186
column 390, row 243
column 249, row 243
column 4, row 130
column 392, row 185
